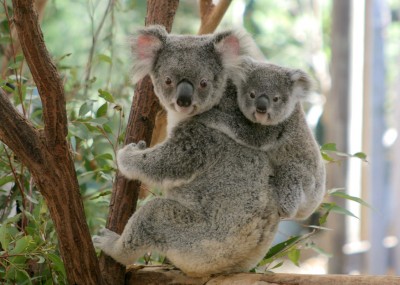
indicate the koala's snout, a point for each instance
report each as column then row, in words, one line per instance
column 262, row 103
column 184, row 94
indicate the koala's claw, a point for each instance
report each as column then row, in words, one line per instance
column 104, row 238
column 141, row 144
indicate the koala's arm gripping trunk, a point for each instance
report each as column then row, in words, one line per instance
column 175, row 161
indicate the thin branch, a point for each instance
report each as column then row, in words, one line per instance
column 205, row 7
column 211, row 15
column 43, row 71
column 94, row 42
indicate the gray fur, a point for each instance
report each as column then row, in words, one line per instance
column 282, row 132
column 216, row 214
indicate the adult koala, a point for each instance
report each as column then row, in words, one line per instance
column 217, row 215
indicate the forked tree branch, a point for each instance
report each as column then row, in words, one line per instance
column 43, row 71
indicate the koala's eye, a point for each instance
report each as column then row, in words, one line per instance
column 203, row 83
column 275, row 99
column 252, row 95
column 168, row 80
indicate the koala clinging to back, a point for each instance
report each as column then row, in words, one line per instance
column 216, row 215
column 270, row 117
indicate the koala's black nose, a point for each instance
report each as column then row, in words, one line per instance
column 184, row 94
column 262, row 103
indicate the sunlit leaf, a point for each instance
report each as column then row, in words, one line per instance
column 105, row 58
column 277, row 265
column 294, row 256
column 102, row 111
column 343, row 195
column 329, row 147
column 337, row 209
column 106, row 95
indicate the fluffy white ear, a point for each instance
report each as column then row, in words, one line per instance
column 145, row 46
column 302, row 83
column 233, row 47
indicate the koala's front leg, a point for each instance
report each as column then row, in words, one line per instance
column 172, row 163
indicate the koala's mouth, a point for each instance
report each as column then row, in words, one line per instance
column 262, row 118
column 189, row 111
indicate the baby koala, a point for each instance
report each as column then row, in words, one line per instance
column 269, row 117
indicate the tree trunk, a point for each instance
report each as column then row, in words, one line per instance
column 336, row 121
column 47, row 153
column 140, row 127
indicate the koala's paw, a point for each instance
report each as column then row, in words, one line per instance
column 105, row 239
column 141, row 145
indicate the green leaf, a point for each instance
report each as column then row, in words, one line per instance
column 106, row 96
column 323, row 218
column 277, row 265
column 105, row 156
column 361, row 156
column 319, row 228
column 326, row 157
column 337, row 209
column 99, row 121
column 31, row 199
column 102, row 111
column 319, row 250
column 6, row 179
column 23, row 245
column 84, row 109
column 294, row 256
column 105, row 58
column 343, row 195
column 333, row 190
column 79, row 130
column 329, row 147
column 276, row 249
column 58, row 264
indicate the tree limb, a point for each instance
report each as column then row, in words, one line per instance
column 43, row 71
column 162, row 276
column 19, row 134
column 211, row 15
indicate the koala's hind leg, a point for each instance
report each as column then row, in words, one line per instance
column 161, row 225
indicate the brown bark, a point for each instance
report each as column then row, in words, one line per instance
column 164, row 276
column 13, row 49
column 140, row 127
column 210, row 15
column 47, row 153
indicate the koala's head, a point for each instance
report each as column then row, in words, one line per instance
column 189, row 73
column 269, row 93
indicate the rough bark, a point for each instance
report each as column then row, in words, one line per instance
column 13, row 49
column 47, row 153
column 210, row 15
column 164, row 276
column 140, row 127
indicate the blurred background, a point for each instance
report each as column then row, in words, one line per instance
column 350, row 47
